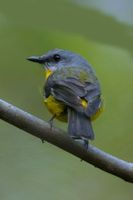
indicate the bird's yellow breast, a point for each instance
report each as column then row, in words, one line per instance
column 56, row 107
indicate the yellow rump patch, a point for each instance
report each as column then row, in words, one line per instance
column 84, row 103
column 96, row 115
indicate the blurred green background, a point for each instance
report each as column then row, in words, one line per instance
column 101, row 31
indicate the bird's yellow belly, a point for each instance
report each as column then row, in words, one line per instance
column 56, row 107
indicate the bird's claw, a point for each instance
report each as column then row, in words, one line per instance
column 43, row 141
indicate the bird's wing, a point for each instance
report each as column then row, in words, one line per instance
column 72, row 85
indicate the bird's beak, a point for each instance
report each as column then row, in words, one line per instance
column 37, row 59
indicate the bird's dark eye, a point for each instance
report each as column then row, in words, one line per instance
column 56, row 57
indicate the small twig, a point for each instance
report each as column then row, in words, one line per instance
column 42, row 130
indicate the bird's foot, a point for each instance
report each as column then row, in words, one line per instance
column 82, row 141
column 86, row 143
column 43, row 141
column 51, row 121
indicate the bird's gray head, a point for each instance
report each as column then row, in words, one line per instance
column 59, row 58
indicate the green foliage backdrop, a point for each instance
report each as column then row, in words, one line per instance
column 28, row 168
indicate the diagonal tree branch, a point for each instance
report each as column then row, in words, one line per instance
column 42, row 130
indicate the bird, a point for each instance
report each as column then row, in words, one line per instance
column 71, row 92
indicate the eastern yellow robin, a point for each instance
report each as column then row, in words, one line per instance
column 72, row 92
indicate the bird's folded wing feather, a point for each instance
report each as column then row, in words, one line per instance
column 71, row 89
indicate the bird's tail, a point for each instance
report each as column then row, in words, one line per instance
column 79, row 125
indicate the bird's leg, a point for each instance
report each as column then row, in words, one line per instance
column 51, row 125
column 86, row 143
column 82, row 141
column 51, row 121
